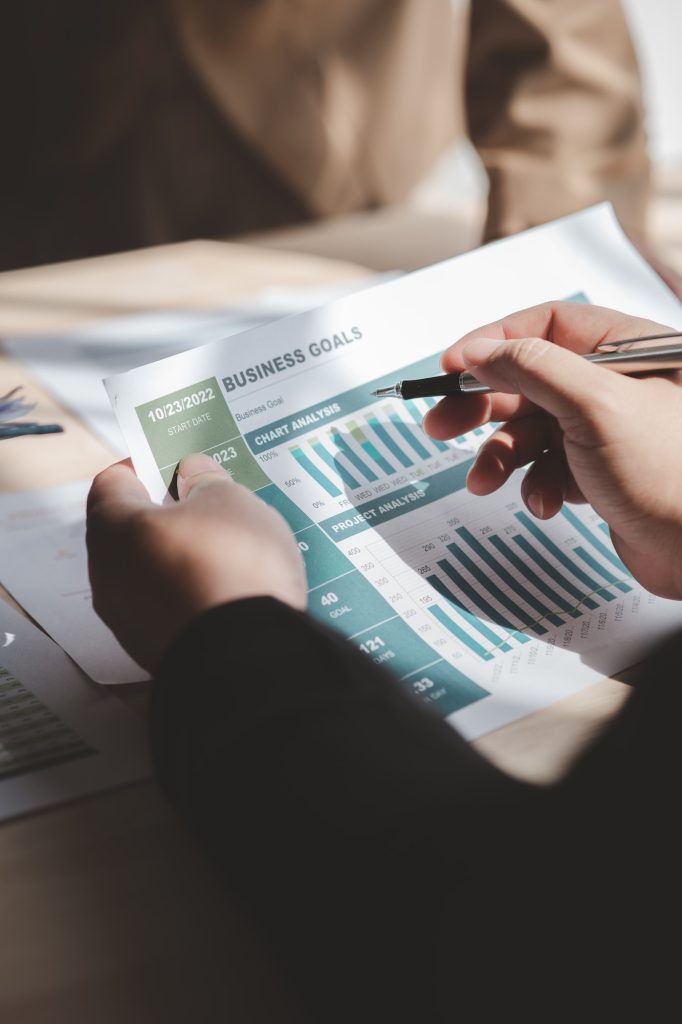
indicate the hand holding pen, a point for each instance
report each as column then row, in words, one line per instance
column 586, row 435
column 627, row 355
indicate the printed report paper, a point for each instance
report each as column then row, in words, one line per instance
column 61, row 737
column 44, row 566
column 470, row 603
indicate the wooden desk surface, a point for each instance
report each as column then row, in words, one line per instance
column 110, row 913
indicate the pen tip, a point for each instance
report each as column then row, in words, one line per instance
column 390, row 392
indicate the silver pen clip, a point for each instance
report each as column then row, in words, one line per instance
column 646, row 341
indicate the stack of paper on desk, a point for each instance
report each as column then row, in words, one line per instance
column 61, row 737
column 43, row 564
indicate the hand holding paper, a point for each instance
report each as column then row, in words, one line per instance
column 155, row 569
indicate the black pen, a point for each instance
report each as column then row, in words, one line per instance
column 625, row 356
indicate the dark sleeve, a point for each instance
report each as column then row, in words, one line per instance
column 370, row 841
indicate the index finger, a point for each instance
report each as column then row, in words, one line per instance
column 578, row 326
column 575, row 325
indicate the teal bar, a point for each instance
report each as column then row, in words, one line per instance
column 606, row 573
column 461, row 634
column 533, row 577
column 478, row 431
column 348, row 479
column 479, row 601
column 510, row 580
column 312, row 470
column 553, row 573
column 493, row 589
column 367, row 446
column 418, row 419
column 596, row 543
column 354, row 459
column 413, row 411
column 604, row 527
column 373, row 453
column 383, row 435
column 561, row 556
column 431, row 402
column 441, row 587
column 407, row 433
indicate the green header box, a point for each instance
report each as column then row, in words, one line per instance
column 197, row 419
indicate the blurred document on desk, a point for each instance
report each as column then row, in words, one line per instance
column 475, row 607
column 61, row 737
column 72, row 365
column 44, row 565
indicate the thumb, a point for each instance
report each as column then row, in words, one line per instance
column 198, row 472
column 556, row 379
column 116, row 491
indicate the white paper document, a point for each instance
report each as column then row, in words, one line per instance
column 44, row 565
column 61, row 737
column 473, row 605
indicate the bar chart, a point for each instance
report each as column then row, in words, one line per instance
column 496, row 583
column 379, row 444
column 479, row 578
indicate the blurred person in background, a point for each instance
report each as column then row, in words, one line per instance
column 144, row 122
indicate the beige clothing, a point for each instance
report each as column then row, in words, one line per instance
column 353, row 108
column 215, row 117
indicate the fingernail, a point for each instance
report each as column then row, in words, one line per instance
column 536, row 505
column 193, row 465
column 478, row 351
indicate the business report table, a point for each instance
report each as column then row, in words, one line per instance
column 111, row 913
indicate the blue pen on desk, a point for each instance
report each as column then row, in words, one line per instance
column 19, row 429
column 13, row 405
